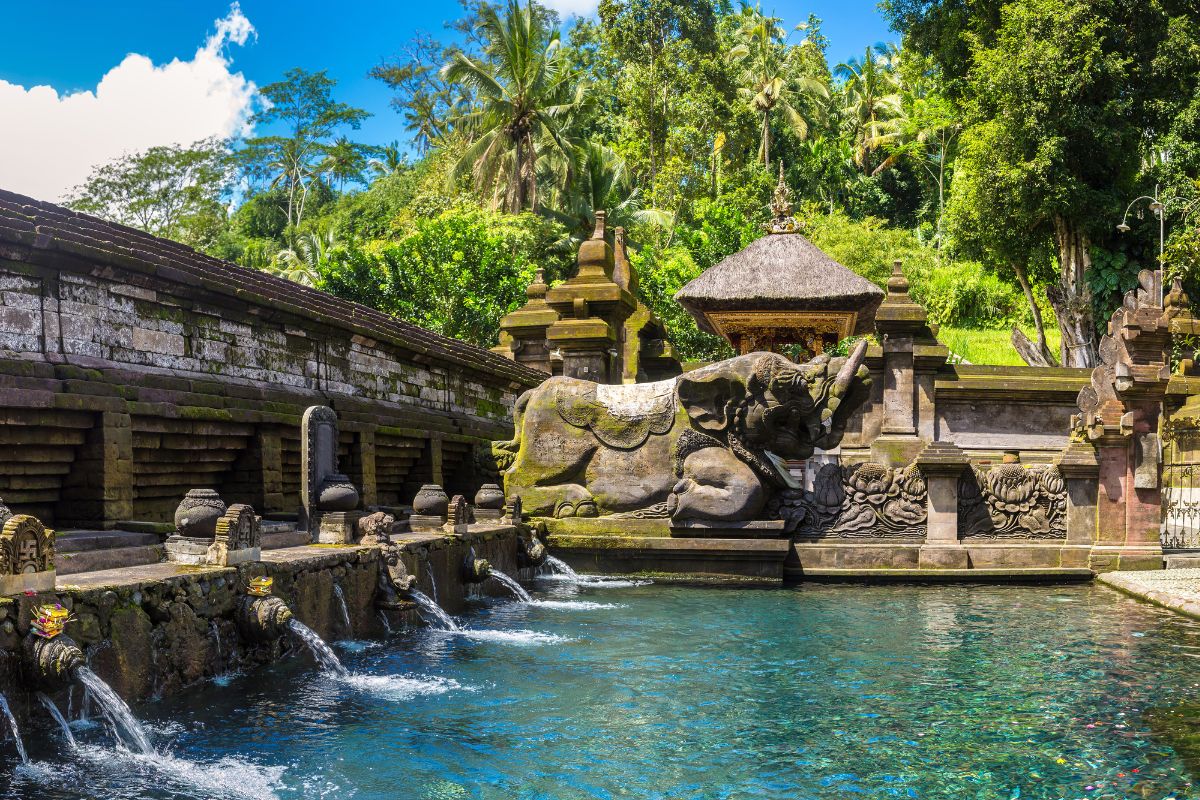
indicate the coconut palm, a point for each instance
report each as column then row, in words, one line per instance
column 523, row 89
column 598, row 180
column 344, row 162
column 770, row 78
column 388, row 161
column 870, row 98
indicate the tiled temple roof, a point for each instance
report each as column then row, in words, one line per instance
column 38, row 232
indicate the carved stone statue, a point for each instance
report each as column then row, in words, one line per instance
column 458, row 515
column 237, row 538
column 394, row 579
column 26, row 555
column 376, row 528
column 708, row 445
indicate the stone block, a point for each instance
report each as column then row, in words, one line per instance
column 944, row 557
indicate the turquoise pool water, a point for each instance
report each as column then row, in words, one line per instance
column 670, row 692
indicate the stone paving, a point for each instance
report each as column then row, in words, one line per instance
column 1176, row 589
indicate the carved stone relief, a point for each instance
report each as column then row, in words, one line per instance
column 1011, row 501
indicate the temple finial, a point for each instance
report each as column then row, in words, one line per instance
column 781, row 208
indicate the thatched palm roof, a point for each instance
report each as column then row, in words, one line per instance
column 781, row 272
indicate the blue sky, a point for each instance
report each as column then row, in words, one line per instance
column 71, row 47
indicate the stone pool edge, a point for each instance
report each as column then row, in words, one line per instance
column 1176, row 590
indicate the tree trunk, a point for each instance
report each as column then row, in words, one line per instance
column 1071, row 298
column 766, row 140
column 1044, row 357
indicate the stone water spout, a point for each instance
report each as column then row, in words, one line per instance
column 394, row 579
column 51, row 658
column 260, row 615
column 475, row 570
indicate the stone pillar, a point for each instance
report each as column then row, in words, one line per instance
column 1081, row 471
column 99, row 490
column 942, row 465
column 911, row 355
column 1127, row 534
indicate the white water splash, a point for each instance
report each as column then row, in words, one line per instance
column 225, row 778
column 357, row 645
column 16, row 732
column 400, row 687
column 326, row 658
column 517, row 589
column 518, row 637
column 574, row 605
column 124, row 724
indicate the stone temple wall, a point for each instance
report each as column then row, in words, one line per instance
column 133, row 368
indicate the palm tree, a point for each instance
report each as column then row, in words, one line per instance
column 870, row 98
column 600, row 180
column 770, row 74
column 344, row 161
column 523, row 89
column 388, row 161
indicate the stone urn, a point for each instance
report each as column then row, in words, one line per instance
column 490, row 497
column 431, row 501
column 197, row 515
column 337, row 493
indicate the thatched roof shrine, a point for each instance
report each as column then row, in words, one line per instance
column 781, row 289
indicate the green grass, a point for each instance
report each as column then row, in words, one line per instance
column 990, row 345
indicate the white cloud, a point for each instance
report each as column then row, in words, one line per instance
column 50, row 142
column 567, row 8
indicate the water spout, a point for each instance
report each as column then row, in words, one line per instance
column 433, row 610
column 517, row 589
column 262, row 619
column 216, row 632
column 124, row 724
column 12, row 724
column 58, row 717
column 325, row 657
column 341, row 598
column 561, row 567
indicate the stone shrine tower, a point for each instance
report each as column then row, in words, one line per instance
column 592, row 326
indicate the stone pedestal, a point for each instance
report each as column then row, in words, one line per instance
column 189, row 550
column 942, row 464
column 338, row 527
column 425, row 523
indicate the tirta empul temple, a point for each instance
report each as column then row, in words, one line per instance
column 210, row 472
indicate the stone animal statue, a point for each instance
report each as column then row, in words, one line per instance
column 707, row 445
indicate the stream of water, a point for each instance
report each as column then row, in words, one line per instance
column 58, row 717
column 509, row 583
column 326, row 658
column 432, row 611
column 341, row 599
column 124, row 724
column 12, row 726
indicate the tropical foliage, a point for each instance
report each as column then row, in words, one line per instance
column 992, row 149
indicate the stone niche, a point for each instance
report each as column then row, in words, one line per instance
column 26, row 554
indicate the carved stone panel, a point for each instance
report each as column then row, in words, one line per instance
column 865, row 500
column 1011, row 501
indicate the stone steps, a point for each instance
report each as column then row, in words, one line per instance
column 81, row 541
column 277, row 540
